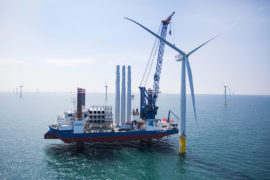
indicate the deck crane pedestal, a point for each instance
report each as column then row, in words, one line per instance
column 148, row 108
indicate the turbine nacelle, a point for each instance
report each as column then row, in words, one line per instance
column 179, row 57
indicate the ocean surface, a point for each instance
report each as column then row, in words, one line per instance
column 231, row 142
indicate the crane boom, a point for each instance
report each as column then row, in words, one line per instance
column 165, row 24
column 148, row 98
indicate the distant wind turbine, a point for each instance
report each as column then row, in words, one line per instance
column 230, row 91
column 182, row 56
column 106, row 89
column 21, row 86
column 225, row 95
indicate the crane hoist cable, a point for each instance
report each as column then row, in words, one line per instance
column 153, row 58
column 150, row 59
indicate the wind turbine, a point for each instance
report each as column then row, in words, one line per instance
column 230, row 91
column 106, row 88
column 21, row 86
column 184, row 57
column 225, row 94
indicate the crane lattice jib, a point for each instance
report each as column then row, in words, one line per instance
column 165, row 24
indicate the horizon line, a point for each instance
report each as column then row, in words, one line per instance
column 132, row 93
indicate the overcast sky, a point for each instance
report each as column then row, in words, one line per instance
column 61, row 45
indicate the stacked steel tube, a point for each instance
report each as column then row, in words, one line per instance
column 99, row 119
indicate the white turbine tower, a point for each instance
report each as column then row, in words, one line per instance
column 230, row 92
column 227, row 91
column 21, row 86
column 225, row 94
column 106, row 90
column 182, row 56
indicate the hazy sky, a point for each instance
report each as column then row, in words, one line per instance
column 61, row 45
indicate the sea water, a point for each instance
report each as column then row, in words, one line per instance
column 230, row 142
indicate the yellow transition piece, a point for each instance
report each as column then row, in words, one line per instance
column 182, row 145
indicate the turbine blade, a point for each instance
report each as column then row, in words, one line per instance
column 157, row 36
column 191, row 52
column 191, row 89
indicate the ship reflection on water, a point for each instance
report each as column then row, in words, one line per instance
column 131, row 160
